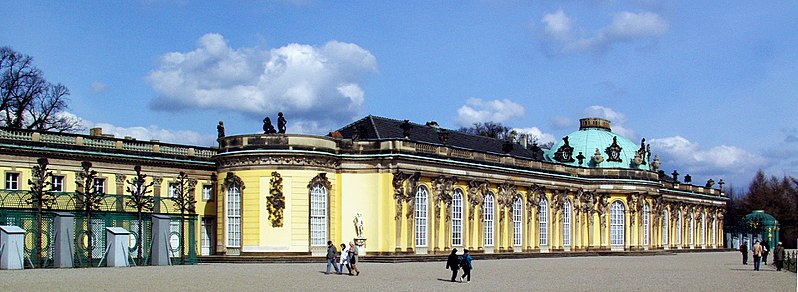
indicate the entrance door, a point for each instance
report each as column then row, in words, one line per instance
column 206, row 237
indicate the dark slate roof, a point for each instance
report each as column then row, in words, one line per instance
column 379, row 128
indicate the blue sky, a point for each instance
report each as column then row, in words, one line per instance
column 712, row 87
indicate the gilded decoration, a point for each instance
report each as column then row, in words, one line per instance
column 399, row 192
column 276, row 200
column 476, row 196
column 411, row 188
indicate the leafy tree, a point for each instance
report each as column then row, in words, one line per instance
column 138, row 190
column 184, row 200
column 27, row 100
column 777, row 197
column 89, row 197
column 40, row 197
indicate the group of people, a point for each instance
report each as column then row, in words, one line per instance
column 760, row 253
column 455, row 263
column 347, row 258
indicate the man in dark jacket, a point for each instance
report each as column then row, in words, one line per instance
column 778, row 256
column 744, row 251
column 331, row 253
column 453, row 263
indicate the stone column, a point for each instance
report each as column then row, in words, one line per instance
column 156, row 192
column 411, row 230
column 447, row 228
column 120, row 189
column 436, row 219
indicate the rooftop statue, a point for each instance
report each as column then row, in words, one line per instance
column 281, row 123
column 220, row 130
column 267, row 126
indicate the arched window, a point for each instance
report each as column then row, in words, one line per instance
column 679, row 229
column 646, row 222
column 488, row 220
column 704, row 229
column 617, row 223
column 421, row 216
column 518, row 211
column 457, row 218
column 318, row 215
column 665, row 227
column 566, row 223
column 233, row 215
column 543, row 218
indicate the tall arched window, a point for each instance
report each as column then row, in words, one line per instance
column 233, row 215
column 318, row 215
column 665, row 227
column 679, row 229
column 692, row 229
column 566, row 223
column 518, row 211
column 488, row 220
column 704, row 229
column 543, row 218
column 421, row 216
column 617, row 223
column 646, row 222
column 457, row 218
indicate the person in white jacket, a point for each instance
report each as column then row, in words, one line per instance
column 344, row 259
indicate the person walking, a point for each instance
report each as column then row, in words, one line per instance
column 765, row 252
column 778, row 256
column 344, row 260
column 466, row 264
column 757, row 252
column 453, row 263
column 331, row 253
column 353, row 259
column 744, row 251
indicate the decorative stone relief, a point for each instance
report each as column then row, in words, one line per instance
column 565, row 152
column 443, row 194
column 410, row 193
column 614, row 151
column 276, row 200
column 231, row 179
column 303, row 161
column 534, row 195
column 399, row 192
column 476, row 196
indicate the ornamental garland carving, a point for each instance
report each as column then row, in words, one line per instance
column 276, row 200
column 411, row 188
column 534, row 194
column 476, row 196
column 398, row 192
column 280, row 160
column 232, row 179
column 320, row 179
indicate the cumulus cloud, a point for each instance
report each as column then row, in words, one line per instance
column 617, row 120
column 561, row 37
column 680, row 153
column 537, row 135
column 308, row 83
column 147, row 133
column 498, row 110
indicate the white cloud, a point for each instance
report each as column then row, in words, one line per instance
column 477, row 110
column 98, row 87
column 147, row 133
column 617, row 120
column 534, row 133
column 680, row 153
column 560, row 122
column 562, row 37
column 306, row 82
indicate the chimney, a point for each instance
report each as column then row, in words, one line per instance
column 96, row 132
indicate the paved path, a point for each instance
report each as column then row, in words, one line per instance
column 721, row 271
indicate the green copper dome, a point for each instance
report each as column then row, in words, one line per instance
column 760, row 218
column 599, row 148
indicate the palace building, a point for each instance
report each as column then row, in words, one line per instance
column 393, row 187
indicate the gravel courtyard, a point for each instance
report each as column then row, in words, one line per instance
column 682, row 272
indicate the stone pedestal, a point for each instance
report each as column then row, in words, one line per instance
column 360, row 244
column 64, row 240
column 118, row 250
column 12, row 243
column 159, row 255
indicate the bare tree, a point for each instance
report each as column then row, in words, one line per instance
column 89, row 197
column 41, row 197
column 186, row 203
column 490, row 129
column 138, row 190
column 27, row 100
